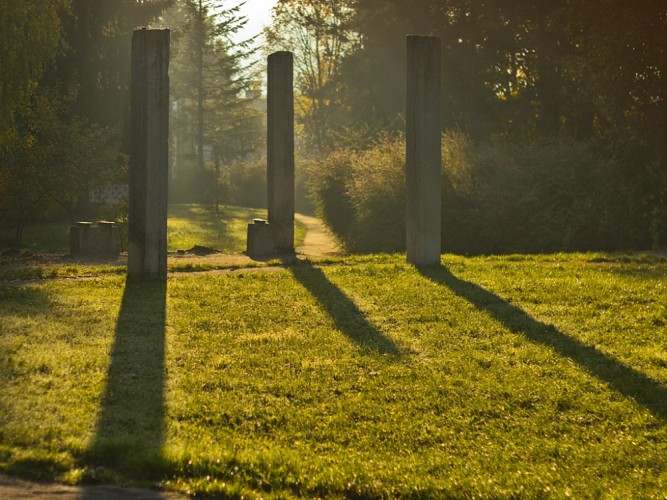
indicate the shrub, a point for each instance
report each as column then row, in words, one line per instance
column 329, row 179
column 245, row 184
column 377, row 193
column 497, row 198
column 538, row 198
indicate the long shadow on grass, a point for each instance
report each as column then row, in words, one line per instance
column 130, row 427
column 343, row 311
column 625, row 380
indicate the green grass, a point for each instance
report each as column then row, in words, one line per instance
column 190, row 225
column 187, row 226
column 519, row 376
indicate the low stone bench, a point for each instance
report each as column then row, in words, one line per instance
column 94, row 238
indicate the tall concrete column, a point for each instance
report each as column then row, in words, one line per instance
column 280, row 143
column 423, row 156
column 147, row 241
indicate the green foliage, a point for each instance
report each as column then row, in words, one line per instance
column 56, row 137
column 525, row 71
column 329, row 179
column 30, row 37
column 361, row 196
column 97, row 54
column 539, row 198
column 320, row 35
column 245, row 183
column 53, row 159
column 499, row 377
column 497, row 198
column 216, row 116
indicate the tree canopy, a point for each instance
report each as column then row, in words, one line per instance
column 30, row 38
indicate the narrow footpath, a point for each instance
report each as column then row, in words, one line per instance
column 319, row 241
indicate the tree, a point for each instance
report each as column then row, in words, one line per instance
column 30, row 34
column 213, row 90
column 320, row 35
column 96, row 60
column 619, row 66
column 53, row 157
column 54, row 149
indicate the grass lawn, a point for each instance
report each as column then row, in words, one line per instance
column 187, row 226
column 519, row 376
column 190, row 225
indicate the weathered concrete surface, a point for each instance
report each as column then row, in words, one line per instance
column 423, row 155
column 147, row 238
column 261, row 239
column 280, row 149
column 92, row 239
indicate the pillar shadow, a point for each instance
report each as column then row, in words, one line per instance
column 627, row 381
column 345, row 314
column 130, row 426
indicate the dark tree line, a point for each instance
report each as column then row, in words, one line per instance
column 520, row 72
column 64, row 125
column 64, row 100
column 520, row 69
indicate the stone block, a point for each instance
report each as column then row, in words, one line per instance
column 261, row 239
column 94, row 239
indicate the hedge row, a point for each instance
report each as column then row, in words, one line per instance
column 497, row 198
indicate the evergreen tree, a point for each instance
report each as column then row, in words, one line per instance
column 214, row 121
column 96, row 61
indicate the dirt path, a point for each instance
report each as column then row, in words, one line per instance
column 11, row 489
column 319, row 241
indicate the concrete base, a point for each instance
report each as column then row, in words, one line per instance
column 87, row 238
column 264, row 239
column 260, row 239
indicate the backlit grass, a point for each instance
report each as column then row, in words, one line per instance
column 187, row 226
column 226, row 231
column 514, row 376
column 190, row 225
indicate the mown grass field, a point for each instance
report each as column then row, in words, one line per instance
column 516, row 376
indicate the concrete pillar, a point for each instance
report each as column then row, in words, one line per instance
column 147, row 239
column 423, row 156
column 280, row 153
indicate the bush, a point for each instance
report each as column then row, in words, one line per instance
column 329, row 179
column 538, row 198
column 361, row 196
column 497, row 198
column 245, row 184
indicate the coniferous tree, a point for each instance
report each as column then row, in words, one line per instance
column 214, row 119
